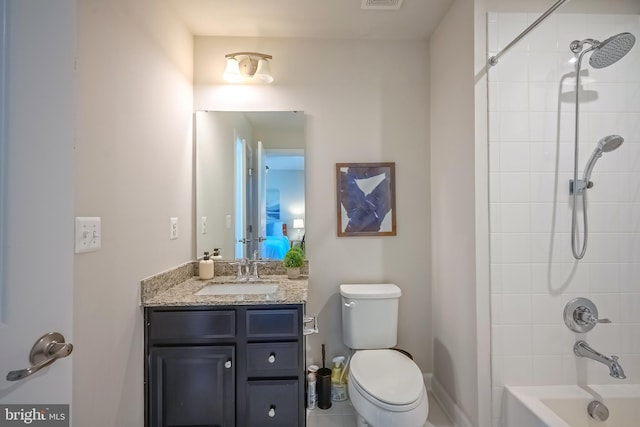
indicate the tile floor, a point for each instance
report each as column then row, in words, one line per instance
column 341, row 414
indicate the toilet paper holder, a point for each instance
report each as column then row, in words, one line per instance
column 314, row 327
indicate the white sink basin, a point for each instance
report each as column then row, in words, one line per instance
column 238, row 289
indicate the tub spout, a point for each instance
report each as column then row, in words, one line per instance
column 582, row 349
column 615, row 369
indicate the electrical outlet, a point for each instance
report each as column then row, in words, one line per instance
column 203, row 224
column 173, row 228
column 228, row 220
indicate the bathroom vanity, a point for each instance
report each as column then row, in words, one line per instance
column 224, row 360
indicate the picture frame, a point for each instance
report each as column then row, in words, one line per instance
column 366, row 199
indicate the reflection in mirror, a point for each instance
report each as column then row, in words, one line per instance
column 249, row 179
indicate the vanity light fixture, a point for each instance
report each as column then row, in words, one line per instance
column 247, row 66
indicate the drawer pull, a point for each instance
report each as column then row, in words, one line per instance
column 272, row 358
column 228, row 364
column 272, row 411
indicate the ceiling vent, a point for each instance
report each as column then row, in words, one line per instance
column 381, row 4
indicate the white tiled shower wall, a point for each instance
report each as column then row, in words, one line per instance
column 533, row 273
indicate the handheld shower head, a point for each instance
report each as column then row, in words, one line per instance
column 610, row 143
column 612, row 50
column 605, row 145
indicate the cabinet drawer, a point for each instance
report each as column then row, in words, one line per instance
column 272, row 359
column 192, row 325
column 273, row 403
column 278, row 323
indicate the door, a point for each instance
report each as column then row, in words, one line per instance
column 36, row 194
column 262, row 195
column 250, row 201
column 240, row 196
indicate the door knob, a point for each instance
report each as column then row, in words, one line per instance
column 49, row 348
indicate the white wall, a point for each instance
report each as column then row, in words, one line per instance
column 582, row 6
column 531, row 160
column 357, row 110
column 453, row 211
column 133, row 168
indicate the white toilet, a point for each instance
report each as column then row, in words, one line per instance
column 386, row 387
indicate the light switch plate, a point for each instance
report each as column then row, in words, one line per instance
column 88, row 234
column 173, row 228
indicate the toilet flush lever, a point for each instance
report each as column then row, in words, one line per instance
column 350, row 304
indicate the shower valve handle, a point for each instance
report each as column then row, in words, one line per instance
column 581, row 315
column 584, row 316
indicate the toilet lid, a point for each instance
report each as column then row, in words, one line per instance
column 387, row 375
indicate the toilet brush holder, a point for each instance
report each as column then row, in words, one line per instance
column 323, row 386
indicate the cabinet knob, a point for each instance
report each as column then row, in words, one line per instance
column 272, row 412
column 228, row 364
column 272, row 358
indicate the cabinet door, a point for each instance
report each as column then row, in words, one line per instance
column 192, row 386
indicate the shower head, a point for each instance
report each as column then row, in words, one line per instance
column 606, row 144
column 612, row 50
column 606, row 52
column 610, row 143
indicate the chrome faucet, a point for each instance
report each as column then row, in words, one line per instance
column 247, row 269
column 254, row 275
column 243, row 269
column 582, row 349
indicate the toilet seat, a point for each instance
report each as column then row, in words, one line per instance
column 387, row 378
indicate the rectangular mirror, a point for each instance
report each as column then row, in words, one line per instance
column 249, row 173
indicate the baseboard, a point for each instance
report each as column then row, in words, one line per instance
column 448, row 405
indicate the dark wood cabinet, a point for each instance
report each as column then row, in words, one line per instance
column 224, row 366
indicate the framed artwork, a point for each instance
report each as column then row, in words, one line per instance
column 366, row 199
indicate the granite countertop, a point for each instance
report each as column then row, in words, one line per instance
column 183, row 293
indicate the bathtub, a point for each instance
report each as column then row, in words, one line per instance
column 566, row 406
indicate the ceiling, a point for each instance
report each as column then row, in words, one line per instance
column 415, row 20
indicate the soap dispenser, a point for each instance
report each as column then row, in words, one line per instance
column 206, row 267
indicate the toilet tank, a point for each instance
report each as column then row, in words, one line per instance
column 369, row 315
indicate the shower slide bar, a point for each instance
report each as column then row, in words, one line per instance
column 494, row 59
